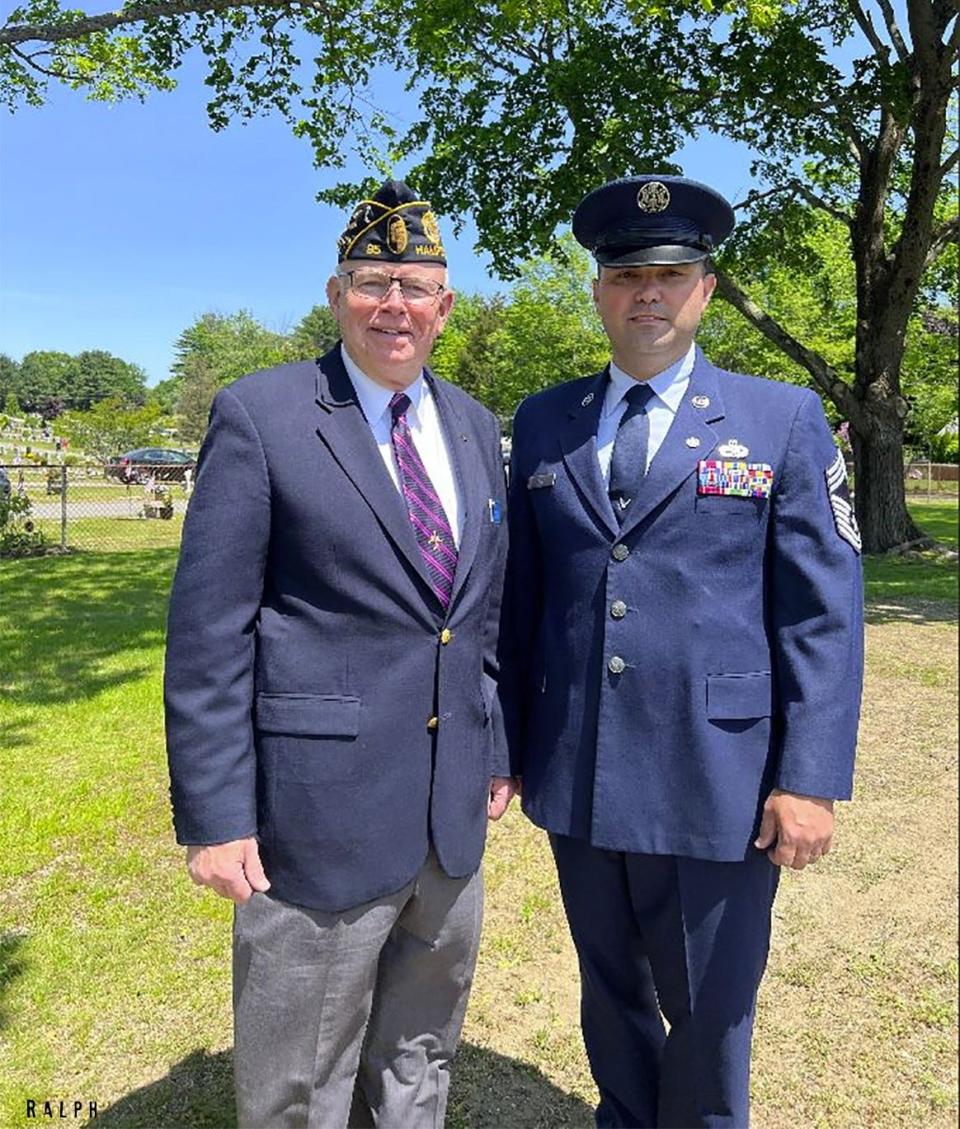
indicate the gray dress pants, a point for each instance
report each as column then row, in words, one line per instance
column 353, row 1018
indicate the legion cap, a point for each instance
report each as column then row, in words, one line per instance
column 393, row 226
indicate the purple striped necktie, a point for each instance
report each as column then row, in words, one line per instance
column 433, row 532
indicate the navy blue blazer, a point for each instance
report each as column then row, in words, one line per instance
column 663, row 677
column 307, row 651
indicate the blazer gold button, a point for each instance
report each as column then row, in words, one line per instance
column 433, row 723
column 446, row 635
column 620, row 552
column 618, row 609
column 616, row 665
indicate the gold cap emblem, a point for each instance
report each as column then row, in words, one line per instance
column 397, row 238
column 654, row 196
column 431, row 229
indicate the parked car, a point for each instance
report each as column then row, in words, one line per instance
column 158, row 463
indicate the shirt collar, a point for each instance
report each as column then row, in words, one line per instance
column 374, row 398
column 669, row 385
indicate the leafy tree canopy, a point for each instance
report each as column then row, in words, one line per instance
column 112, row 426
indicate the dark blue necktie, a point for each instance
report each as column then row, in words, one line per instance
column 628, row 463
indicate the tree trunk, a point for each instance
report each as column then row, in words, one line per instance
column 879, row 498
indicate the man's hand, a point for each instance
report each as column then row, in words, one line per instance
column 800, row 827
column 502, row 791
column 232, row 869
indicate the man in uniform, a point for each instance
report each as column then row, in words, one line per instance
column 685, row 651
column 334, row 734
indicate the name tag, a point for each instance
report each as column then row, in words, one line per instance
column 540, row 481
column 734, row 478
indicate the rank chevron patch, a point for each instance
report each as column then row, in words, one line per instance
column 839, row 494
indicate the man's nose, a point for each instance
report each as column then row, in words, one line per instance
column 393, row 299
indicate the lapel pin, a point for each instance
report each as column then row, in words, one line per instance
column 693, row 441
column 588, row 399
column 701, row 401
column 733, row 449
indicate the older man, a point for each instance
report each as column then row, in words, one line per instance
column 685, row 609
column 332, row 717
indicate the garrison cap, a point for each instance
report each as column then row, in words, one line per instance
column 393, row 226
column 651, row 220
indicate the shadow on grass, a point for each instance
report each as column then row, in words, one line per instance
column 893, row 610
column 488, row 1091
column 11, row 966
column 63, row 616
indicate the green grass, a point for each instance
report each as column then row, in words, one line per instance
column 926, row 577
column 114, row 969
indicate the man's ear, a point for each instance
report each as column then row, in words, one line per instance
column 334, row 295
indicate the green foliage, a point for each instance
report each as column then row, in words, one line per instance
column 9, row 370
column 542, row 332
column 112, row 426
column 944, row 448
column 11, row 405
column 317, row 332
column 216, row 350
column 77, row 382
column 18, row 535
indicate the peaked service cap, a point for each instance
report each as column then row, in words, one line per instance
column 651, row 220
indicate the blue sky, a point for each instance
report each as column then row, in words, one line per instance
column 120, row 225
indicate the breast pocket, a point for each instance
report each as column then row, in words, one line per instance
column 730, row 507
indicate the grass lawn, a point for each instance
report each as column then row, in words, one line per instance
column 114, row 969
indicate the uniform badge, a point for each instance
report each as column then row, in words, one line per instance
column 734, row 478
column 496, row 514
column 839, row 493
column 701, row 401
column 692, row 441
column 397, row 238
column 588, row 399
column 654, row 196
column 733, row 449
column 541, row 481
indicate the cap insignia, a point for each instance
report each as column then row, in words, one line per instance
column 397, row 238
column 431, row 229
column 654, row 196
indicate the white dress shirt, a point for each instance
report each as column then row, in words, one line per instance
column 425, row 430
column 669, row 387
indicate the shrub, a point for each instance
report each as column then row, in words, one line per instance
column 944, row 448
column 18, row 536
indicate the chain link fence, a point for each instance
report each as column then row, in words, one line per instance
column 112, row 508
column 106, row 508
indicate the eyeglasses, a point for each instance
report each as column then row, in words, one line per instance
column 376, row 285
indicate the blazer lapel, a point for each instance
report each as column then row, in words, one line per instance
column 342, row 427
column 578, row 441
column 462, row 444
column 690, row 439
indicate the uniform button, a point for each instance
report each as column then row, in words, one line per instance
column 620, row 552
column 446, row 635
column 616, row 665
column 432, row 723
column 618, row 609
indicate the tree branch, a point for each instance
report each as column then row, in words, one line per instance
column 824, row 375
column 948, row 232
column 880, row 48
column 896, row 36
column 135, row 14
column 824, row 205
column 949, row 164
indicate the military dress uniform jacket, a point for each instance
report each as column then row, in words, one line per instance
column 665, row 675
column 317, row 696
